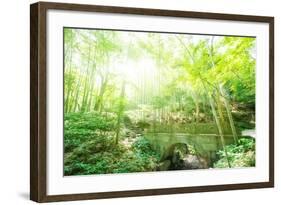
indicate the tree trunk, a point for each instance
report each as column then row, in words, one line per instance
column 219, row 128
column 87, row 79
column 220, row 112
column 69, row 90
column 98, row 103
column 84, row 92
column 120, row 112
column 76, row 97
column 229, row 114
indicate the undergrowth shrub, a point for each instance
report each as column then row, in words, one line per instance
column 240, row 155
column 89, row 143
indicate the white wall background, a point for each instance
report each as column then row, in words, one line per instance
column 14, row 102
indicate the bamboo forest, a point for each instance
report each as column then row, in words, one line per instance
column 149, row 101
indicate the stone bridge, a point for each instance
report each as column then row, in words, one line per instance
column 205, row 145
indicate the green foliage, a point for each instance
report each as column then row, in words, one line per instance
column 143, row 146
column 90, row 149
column 141, row 158
column 81, row 127
column 102, row 156
column 240, row 155
column 191, row 149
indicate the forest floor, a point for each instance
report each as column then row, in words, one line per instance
column 91, row 148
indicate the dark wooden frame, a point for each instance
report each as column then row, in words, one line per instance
column 38, row 86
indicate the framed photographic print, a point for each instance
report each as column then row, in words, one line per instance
column 134, row 102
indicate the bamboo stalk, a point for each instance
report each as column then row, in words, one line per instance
column 120, row 112
column 230, row 118
column 219, row 128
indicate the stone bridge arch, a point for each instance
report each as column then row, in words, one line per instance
column 165, row 143
column 205, row 145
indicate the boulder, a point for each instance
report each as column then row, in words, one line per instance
column 163, row 166
column 194, row 162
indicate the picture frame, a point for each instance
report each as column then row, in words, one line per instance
column 42, row 84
